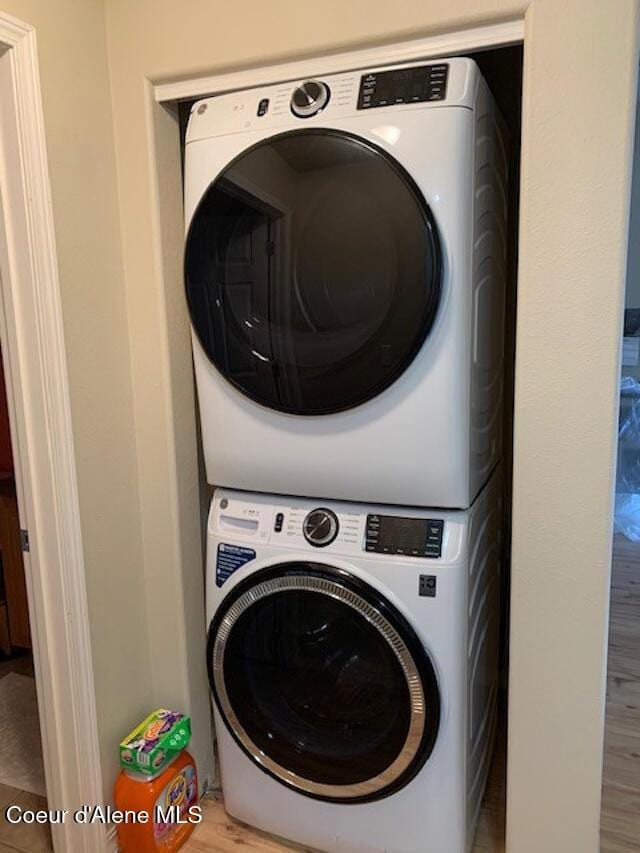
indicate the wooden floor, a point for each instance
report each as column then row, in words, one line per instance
column 621, row 777
column 219, row 832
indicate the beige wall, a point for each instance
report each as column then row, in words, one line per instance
column 162, row 39
column 77, row 109
column 130, row 368
column 578, row 109
column 580, row 72
column 633, row 268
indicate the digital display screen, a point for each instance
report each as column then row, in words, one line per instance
column 403, row 86
column 407, row 533
column 412, row 537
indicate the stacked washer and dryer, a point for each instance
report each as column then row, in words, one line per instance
column 345, row 266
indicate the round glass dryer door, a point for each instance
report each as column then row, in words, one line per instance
column 323, row 683
column 313, row 271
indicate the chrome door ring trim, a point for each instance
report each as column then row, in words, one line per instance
column 336, row 591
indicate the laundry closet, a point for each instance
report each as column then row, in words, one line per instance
column 350, row 255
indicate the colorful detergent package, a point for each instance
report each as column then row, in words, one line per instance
column 156, row 791
column 155, row 742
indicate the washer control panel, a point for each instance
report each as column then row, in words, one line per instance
column 403, row 86
column 244, row 520
column 412, row 537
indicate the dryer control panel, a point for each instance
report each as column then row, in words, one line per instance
column 333, row 97
column 403, row 86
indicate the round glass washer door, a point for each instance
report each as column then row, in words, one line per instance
column 323, row 683
column 313, row 271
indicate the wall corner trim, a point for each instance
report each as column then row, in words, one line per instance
column 37, row 380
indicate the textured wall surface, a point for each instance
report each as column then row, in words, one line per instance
column 633, row 268
column 578, row 107
column 130, row 366
column 72, row 52
column 152, row 41
column 579, row 79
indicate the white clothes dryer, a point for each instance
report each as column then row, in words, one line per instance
column 352, row 655
column 344, row 269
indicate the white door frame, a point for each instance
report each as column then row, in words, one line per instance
column 31, row 331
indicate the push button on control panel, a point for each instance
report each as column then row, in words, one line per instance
column 279, row 522
column 434, row 538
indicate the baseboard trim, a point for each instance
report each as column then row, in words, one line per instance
column 112, row 840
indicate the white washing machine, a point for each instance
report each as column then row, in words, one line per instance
column 344, row 269
column 352, row 655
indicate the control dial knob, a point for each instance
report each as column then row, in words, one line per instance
column 309, row 98
column 320, row 527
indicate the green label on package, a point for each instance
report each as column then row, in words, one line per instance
column 155, row 742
